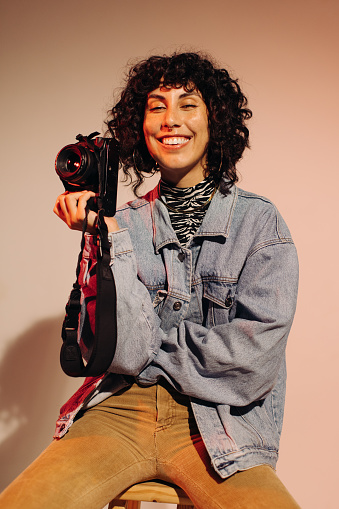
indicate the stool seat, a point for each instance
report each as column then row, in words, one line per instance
column 151, row 491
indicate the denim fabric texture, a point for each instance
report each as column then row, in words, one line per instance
column 212, row 318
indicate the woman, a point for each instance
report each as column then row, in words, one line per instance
column 206, row 277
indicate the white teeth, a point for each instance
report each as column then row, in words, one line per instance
column 174, row 141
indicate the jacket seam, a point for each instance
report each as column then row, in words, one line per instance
column 249, row 448
column 134, row 204
column 268, row 243
column 178, row 295
column 214, row 279
column 129, row 250
column 154, row 287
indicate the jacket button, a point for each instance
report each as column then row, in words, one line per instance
column 181, row 256
column 228, row 302
column 177, row 306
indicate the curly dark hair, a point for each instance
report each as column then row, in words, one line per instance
column 225, row 102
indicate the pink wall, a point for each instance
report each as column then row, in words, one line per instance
column 61, row 62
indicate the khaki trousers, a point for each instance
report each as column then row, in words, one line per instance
column 137, row 435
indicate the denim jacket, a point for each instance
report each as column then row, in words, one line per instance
column 212, row 318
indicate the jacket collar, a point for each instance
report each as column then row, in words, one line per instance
column 216, row 222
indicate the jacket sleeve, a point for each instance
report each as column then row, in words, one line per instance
column 234, row 363
column 137, row 323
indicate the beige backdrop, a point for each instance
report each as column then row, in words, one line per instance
column 61, row 62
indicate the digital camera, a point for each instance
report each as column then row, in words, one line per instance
column 91, row 164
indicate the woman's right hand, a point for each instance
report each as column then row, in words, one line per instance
column 70, row 208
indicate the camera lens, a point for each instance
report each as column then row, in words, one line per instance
column 77, row 165
column 69, row 162
column 73, row 163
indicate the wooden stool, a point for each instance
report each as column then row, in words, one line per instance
column 151, row 491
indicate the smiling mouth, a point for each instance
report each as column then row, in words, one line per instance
column 174, row 140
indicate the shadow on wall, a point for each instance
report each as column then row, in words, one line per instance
column 32, row 389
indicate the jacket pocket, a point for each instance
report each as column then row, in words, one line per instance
column 218, row 301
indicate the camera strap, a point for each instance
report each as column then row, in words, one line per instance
column 105, row 336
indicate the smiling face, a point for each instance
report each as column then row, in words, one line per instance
column 176, row 134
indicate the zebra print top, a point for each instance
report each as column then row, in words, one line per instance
column 186, row 206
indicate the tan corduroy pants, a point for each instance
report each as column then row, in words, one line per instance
column 137, row 435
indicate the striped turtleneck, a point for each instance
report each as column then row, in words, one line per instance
column 187, row 206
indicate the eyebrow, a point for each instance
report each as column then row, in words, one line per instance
column 181, row 96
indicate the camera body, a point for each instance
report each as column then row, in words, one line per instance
column 91, row 164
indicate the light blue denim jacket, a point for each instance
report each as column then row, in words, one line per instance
column 212, row 318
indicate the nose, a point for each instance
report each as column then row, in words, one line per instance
column 171, row 118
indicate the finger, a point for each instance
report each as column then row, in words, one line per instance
column 57, row 209
column 60, row 208
column 74, row 214
column 76, row 204
column 84, row 198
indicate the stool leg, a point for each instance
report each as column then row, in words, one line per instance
column 127, row 504
column 117, row 504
